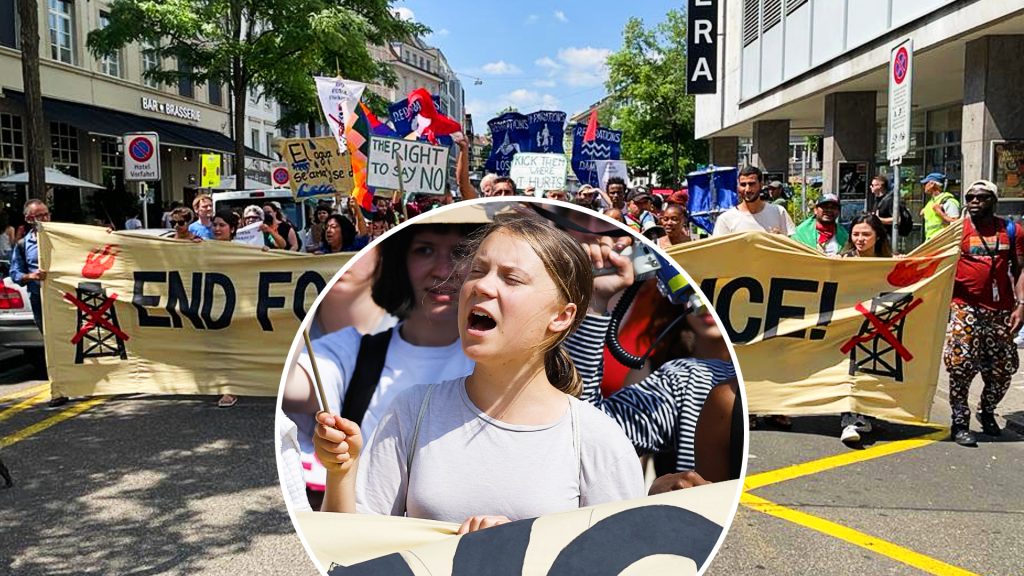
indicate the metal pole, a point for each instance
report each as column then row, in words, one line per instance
column 895, row 198
column 143, row 191
column 803, row 177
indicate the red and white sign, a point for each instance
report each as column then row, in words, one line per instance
column 141, row 156
column 279, row 175
column 900, row 101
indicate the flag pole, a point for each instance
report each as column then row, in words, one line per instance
column 321, row 395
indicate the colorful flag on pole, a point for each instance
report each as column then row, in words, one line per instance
column 339, row 99
column 591, row 133
column 358, row 138
column 430, row 123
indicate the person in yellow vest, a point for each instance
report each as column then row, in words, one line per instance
column 942, row 209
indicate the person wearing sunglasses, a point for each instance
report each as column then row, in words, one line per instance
column 180, row 219
column 986, row 310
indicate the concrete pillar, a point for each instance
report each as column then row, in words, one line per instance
column 849, row 136
column 725, row 151
column 770, row 147
column 993, row 108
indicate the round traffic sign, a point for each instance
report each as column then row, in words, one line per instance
column 900, row 65
column 140, row 149
column 280, row 176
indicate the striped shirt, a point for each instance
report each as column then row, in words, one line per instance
column 660, row 412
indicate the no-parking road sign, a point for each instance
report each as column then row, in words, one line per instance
column 900, row 101
column 141, row 156
column 279, row 175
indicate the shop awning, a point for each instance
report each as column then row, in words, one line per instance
column 114, row 123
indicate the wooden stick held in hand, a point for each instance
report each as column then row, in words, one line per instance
column 321, row 395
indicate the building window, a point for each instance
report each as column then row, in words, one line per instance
column 216, row 94
column 111, row 63
column 110, row 156
column 150, row 61
column 255, row 140
column 772, row 13
column 270, row 143
column 12, row 144
column 792, row 5
column 185, row 86
column 61, row 30
column 64, row 147
column 8, row 24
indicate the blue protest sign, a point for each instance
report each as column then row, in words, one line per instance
column 711, row 192
column 547, row 129
column 510, row 133
column 607, row 146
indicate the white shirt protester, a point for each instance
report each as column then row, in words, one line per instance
column 771, row 218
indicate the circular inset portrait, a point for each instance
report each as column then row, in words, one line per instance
column 522, row 384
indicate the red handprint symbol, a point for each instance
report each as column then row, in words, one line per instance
column 99, row 261
column 909, row 272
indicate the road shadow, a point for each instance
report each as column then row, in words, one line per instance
column 142, row 485
column 882, row 431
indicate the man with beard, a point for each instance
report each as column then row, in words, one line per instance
column 820, row 231
column 753, row 213
column 987, row 309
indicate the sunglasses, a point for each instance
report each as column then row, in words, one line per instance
column 178, row 222
column 978, row 197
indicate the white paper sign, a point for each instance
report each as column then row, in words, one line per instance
column 424, row 167
column 609, row 168
column 541, row 171
column 250, row 235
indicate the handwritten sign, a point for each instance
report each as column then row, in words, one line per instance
column 424, row 167
column 317, row 168
column 607, row 169
column 541, row 171
column 250, row 235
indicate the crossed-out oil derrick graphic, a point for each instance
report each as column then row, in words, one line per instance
column 878, row 348
column 99, row 333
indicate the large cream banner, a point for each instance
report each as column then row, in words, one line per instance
column 128, row 312
column 819, row 335
column 672, row 533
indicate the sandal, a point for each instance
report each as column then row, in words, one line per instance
column 227, row 401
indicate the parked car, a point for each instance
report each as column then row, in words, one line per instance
column 17, row 328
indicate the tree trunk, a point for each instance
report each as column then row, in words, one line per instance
column 28, row 13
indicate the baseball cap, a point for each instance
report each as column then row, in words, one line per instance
column 827, row 198
column 934, row 177
column 775, row 184
column 986, row 185
column 653, row 230
column 638, row 194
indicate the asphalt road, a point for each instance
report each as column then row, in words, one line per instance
column 928, row 507
column 140, row 485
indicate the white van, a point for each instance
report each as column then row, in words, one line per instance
column 239, row 199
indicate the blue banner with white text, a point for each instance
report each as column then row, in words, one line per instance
column 607, row 146
column 547, row 130
column 510, row 133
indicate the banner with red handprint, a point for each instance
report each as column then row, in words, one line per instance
column 126, row 312
column 819, row 335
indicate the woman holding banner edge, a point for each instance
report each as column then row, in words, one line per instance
column 515, row 416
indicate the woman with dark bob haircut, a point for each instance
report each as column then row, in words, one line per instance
column 418, row 281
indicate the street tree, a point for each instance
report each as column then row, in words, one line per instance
column 647, row 85
column 269, row 47
column 28, row 14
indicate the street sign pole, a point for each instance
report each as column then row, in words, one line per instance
column 901, row 68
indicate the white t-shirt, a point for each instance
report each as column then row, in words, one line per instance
column 405, row 366
column 467, row 463
column 770, row 217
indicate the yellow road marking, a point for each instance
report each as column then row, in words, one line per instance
column 31, row 390
column 4, row 415
column 887, row 549
column 815, row 466
column 66, row 414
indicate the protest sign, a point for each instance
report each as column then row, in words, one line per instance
column 424, row 168
column 338, row 101
column 610, row 169
column 547, row 130
column 510, row 134
column 130, row 313
column 671, row 533
column 317, row 167
column 819, row 335
column 607, row 146
column 250, row 235
column 210, row 173
column 541, row 171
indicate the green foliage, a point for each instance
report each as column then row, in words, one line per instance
column 647, row 84
column 274, row 46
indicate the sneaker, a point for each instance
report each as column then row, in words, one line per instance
column 988, row 424
column 58, row 401
column 227, row 401
column 850, row 434
column 964, row 437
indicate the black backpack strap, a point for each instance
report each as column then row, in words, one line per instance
column 373, row 349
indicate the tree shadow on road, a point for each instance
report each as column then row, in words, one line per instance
column 143, row 485
column 882, row 431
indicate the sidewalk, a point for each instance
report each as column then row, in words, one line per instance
column 1009, row 413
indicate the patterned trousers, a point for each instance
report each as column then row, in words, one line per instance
column 978, row 340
